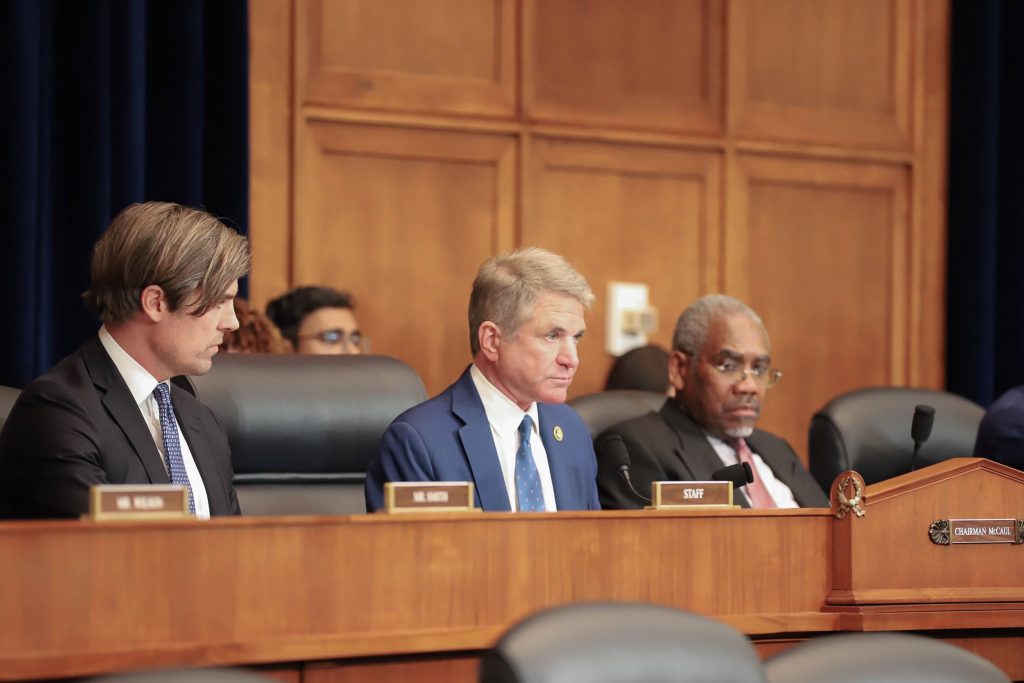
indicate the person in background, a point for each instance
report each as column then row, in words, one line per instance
column 256, row 333
column 503, row 424
column 163, row 280
column 644, row 368
column 1001, row 432
column 720, row 368
column 317, row 320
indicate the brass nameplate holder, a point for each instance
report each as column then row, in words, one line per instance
column 137, row 502
column 428, row 496
column 669, row 495
column 974, row 531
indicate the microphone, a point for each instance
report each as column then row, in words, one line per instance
column 739, row 474
column 921, row 429
column 615, row 452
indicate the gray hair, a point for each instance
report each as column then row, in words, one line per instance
column 695, row 322
column 507, row 285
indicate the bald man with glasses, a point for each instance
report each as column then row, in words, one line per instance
column 720, row 368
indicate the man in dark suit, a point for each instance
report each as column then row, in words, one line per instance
column 720, row 368
column 502, row 424
column 163, row 280
column 1001, row 432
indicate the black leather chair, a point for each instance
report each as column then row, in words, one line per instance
column 868, row 430
column 620, row 643
column 303, row 428
column 8, row 395
column 879, row 658
column 602, row 409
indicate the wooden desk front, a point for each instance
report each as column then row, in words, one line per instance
column 405, row 596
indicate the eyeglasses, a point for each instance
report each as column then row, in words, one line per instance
column 336, row 337
column 734, row 373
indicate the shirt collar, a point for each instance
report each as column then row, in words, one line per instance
column 503, row 414
column 140, row 383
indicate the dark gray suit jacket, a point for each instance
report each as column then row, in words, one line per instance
column 78, row 425
column 668, row 446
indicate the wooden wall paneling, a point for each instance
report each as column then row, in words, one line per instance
column 836, row 72
column 437, row 56
column 652, row 64
column 819, row 250
column 270, row 150
column 928, row 349
column 403, row 217
column 629, row 213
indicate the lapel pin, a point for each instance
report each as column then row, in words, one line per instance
column 557, row 431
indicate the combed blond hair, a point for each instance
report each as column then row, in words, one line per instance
column 183, row 251
column 506, row 286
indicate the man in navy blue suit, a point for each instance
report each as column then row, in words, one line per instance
column 1001, row 432
column 503, row 424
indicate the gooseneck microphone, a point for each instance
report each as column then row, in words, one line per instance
column 921, row 429
column 616, row 453
column 739, row 474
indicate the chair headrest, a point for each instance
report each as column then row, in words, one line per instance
column 603, row 409
column 306, row 415
column 868, row 430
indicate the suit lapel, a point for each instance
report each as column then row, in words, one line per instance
column 122, row 408
column 693, row 448
column 478, row 445
column 558, row 463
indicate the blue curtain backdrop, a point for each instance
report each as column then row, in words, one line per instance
column 105, row 103
column 985, row 301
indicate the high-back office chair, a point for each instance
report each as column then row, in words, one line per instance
column 620, row 643
column 602, row 409
column 8, row 395
column 868, row 430
column 304, row 428
column 879, row 658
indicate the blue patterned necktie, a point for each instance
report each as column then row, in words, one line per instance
column 172, row 447
column 529, row 495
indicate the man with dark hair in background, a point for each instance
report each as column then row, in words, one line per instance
column 720, row 368
column 317, row 320
column 163, row 280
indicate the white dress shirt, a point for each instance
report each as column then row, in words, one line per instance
column 505, row 416
column 780, row 492
column 141, row 385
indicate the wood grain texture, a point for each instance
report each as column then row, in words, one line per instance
column 403, row 217
column 451, row 56
column 655, row 64
column 802, row 236
column 420, row 597
column 825, row 119
column 582, row 193
column 825, row 72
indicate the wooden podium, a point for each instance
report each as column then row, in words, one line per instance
column 332, row 599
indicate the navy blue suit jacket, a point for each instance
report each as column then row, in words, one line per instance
column 1001, row 432
column 448, row 438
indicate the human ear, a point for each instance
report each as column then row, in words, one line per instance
column 489, row 336
column 678, row 364
column 153, row 303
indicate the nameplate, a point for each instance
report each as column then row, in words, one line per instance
column 971, row 531
column 428, row 496
column 691, row 494
column 137, row 501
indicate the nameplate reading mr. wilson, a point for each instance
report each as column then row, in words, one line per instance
column 138, row 501
column 957, row 531
column 428, row 496
column 691, row 494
